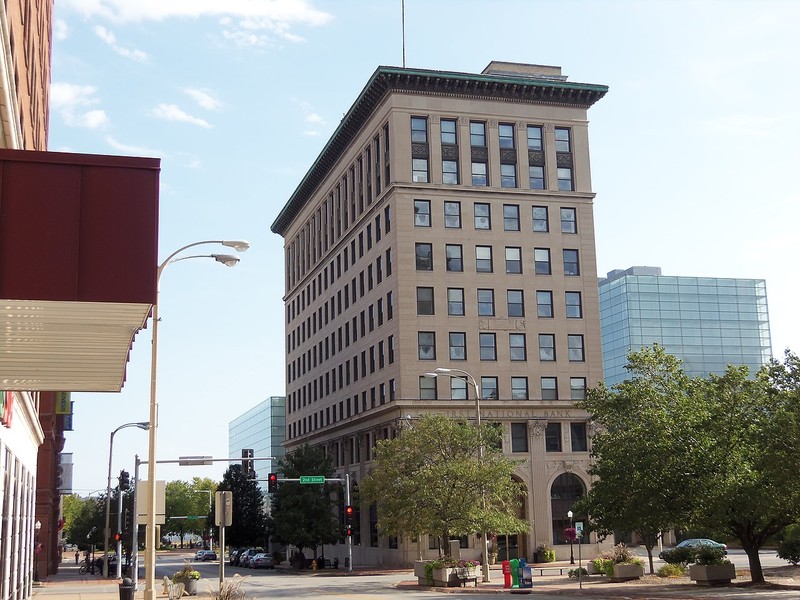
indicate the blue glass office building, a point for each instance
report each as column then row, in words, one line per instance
column 707, row 322
column 263, row 429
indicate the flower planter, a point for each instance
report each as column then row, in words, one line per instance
column 189, row 585
column 712, row 574
column 626, row 572
column 447, row 577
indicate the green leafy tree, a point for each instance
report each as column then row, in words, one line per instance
column 644, row 442
column 181, row 501
column 749, row 468
column 249, row 523
column 431, row 479
column 81, row 515
column 304, row 515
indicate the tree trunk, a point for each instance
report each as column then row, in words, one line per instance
column 756, row 571
column 650, row 557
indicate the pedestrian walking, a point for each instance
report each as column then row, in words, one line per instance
column 77, row 556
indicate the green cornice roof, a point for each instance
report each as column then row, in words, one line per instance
column 396, row 79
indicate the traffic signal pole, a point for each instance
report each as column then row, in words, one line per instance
column 119, row 530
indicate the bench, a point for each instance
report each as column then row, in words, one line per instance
column 550, row 569
column 467, row 575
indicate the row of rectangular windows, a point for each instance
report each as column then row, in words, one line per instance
column 548, row 388
column 345, row 259
column 482, row 216
column 553, row 440
column 341, row 301
column 344, row 409
column 484, row 261
column 479, row 165
column 487, row 343
column 341, row 208
column 515, row 303
column 327, row 347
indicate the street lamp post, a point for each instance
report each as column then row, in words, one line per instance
column 571, row 538
column 36, row 551
column 150, row 530
column 461, row 374
column 140, row 425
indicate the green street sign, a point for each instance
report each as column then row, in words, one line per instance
column 312, row 479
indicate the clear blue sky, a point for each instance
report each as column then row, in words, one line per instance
column 694, row 157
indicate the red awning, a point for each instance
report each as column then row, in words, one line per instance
column 78, row 260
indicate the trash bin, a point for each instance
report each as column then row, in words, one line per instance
column 126, row 589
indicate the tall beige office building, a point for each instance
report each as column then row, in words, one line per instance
column 447, row 224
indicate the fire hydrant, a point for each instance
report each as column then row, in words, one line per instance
column 313, row 565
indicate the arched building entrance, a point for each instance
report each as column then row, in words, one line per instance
column 564, row 492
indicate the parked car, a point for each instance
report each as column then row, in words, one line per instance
column 695, row 543
column 204, row 555
column 246, row 556
column 233, row 556
column 261, row 561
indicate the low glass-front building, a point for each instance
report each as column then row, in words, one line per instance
column 261, row 429
column 707, row 322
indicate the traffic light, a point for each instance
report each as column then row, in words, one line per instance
column 272, row 483
column 247, row 462
column 117, row 536
column 124, row 481
column 348, row 520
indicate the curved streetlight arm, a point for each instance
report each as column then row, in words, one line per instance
column 150, row 510
column 106, row 533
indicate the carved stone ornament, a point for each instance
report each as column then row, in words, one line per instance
column 435, row 119
column 537, row 427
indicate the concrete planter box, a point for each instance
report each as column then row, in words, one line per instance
column 623, row 572
column 712, row 574
column 591, row 570
column 441, row 577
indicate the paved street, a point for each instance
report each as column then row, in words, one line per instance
column 367, row 585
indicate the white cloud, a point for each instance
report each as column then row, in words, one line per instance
column 282, row 12
column 171, row 112
column 73, row 103
column 60, row 29
column 313, row 120
column 245, row 22
column 203, row 98
column 109, row 38
column 133, row 150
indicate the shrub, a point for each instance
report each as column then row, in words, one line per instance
column 621, row 554
column 671, row 570
column 573, row 573
column 603, row 565
column 790, row 550
column 708, row 555
column 678, row 556
column 546, row 553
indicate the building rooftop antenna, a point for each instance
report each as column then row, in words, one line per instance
column 403, row 18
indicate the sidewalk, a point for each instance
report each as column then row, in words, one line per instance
column 68, row 584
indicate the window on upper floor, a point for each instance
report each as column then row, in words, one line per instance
column 483, row 259
column 564, row 179
column 455, row 301
column 541, row 261
column 477, row 134
column 578, row 437
column 547, row 347
column 544, row 304
column 569, row 223
column 534, row 137
column 513, row 260
column 571, row 265
column 508, row 175
column 427, row 388
column 454, row 258
column 419, row 130
column 549, row 388
column 485, row 303
column 450, row 172
column 519, row 388
column 488, row 346
column 452, row 215
column 458, row 345
column 516, row 346
column 425, row 301
column 449, row 129
column 419, row 170
column 563, row 143
column 489, row 388
column 422, row 213
column 480, row 173
column 426, row 344
column 458, row 388
column 577, row 388
column 575, row 346
column 540, row 222
column 505, row 132
column 424, row 256
column 516, row 303
column 510, row 217
column 536, row 177
column 483, row 215
column 573, row 302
